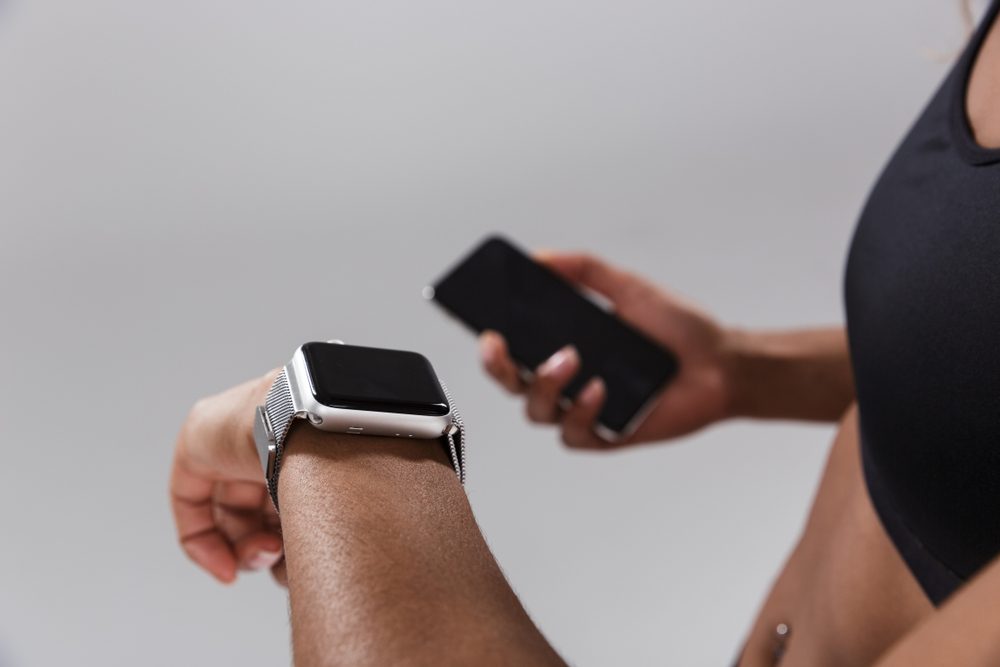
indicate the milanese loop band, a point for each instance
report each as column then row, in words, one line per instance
column 455, row 437
column 274, row 419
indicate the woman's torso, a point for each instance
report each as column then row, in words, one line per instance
column 923, row 300
column 922, row 292
column 845, row 593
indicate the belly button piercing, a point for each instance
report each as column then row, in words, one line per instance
column 781, row 633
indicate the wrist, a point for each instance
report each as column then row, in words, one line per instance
column 759, row 366
column 737, row 351
column 359, row 465
column 803, row 374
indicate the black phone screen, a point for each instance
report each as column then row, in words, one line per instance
column 499, row 287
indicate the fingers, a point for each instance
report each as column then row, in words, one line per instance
column 202, row 541
column 217, row 436
column 590, row 272
column 223, row 527
column 258, row 551
column 212, row 552
column 497, row 362
column 544, row 393
column 216, row 495
column 578, row 422
column 241, row 495
column 245, row 516
column 280, row 573
column 550, row 378
column 238, row 509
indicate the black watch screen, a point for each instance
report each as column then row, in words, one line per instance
column 369, row 378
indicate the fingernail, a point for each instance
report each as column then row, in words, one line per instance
column 264, row 560
column 593, row 392
column 489, row 351
column 560, row 362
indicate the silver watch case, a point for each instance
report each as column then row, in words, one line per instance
column 340, row 420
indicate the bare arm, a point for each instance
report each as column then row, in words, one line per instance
column 385, row 563
column 382, row 556
column 802, row 374
column 966, row 631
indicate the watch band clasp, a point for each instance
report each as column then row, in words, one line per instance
column 263, row 436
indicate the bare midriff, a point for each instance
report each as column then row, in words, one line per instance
column 844, row 595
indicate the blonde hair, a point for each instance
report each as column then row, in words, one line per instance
column 965, row 7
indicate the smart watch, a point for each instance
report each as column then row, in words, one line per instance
column 357, row 390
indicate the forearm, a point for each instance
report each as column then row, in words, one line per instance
column 790, row 375
column 966, row 631
column 386, row 564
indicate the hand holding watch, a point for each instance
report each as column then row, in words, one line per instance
column 361, row 391
column 226, row 517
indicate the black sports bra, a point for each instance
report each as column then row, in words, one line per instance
column 922, row 291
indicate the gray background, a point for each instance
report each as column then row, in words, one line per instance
column 189, row 189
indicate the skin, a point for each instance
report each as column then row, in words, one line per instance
column 386, row 565
column 723, row 372
column 383, row 559
column 983, row 92
column 844, row 591
column 376, row 578
column 963, row 632
column 224, row 517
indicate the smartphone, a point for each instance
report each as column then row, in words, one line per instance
column 499, row 287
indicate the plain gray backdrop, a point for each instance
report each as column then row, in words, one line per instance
column 189, row 189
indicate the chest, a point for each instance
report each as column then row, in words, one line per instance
column 923, row 278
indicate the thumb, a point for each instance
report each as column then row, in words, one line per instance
column 590, row 272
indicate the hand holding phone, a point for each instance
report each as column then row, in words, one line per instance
column 495, row 288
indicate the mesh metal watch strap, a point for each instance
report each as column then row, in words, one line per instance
column 274, row 420
column 278, row 412
column 455, row 437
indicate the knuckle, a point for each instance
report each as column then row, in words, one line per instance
column 492, row 370
column 197, row 416
column 542, row 398
column 590, row 262
column 538, row 412
column 505, row 369
column 198, row 410
column 571, row 438
column 489, row 363
column 574, row 419
column 547, row 388
column 205, row 410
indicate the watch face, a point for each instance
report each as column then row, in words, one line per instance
column 369, row 378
